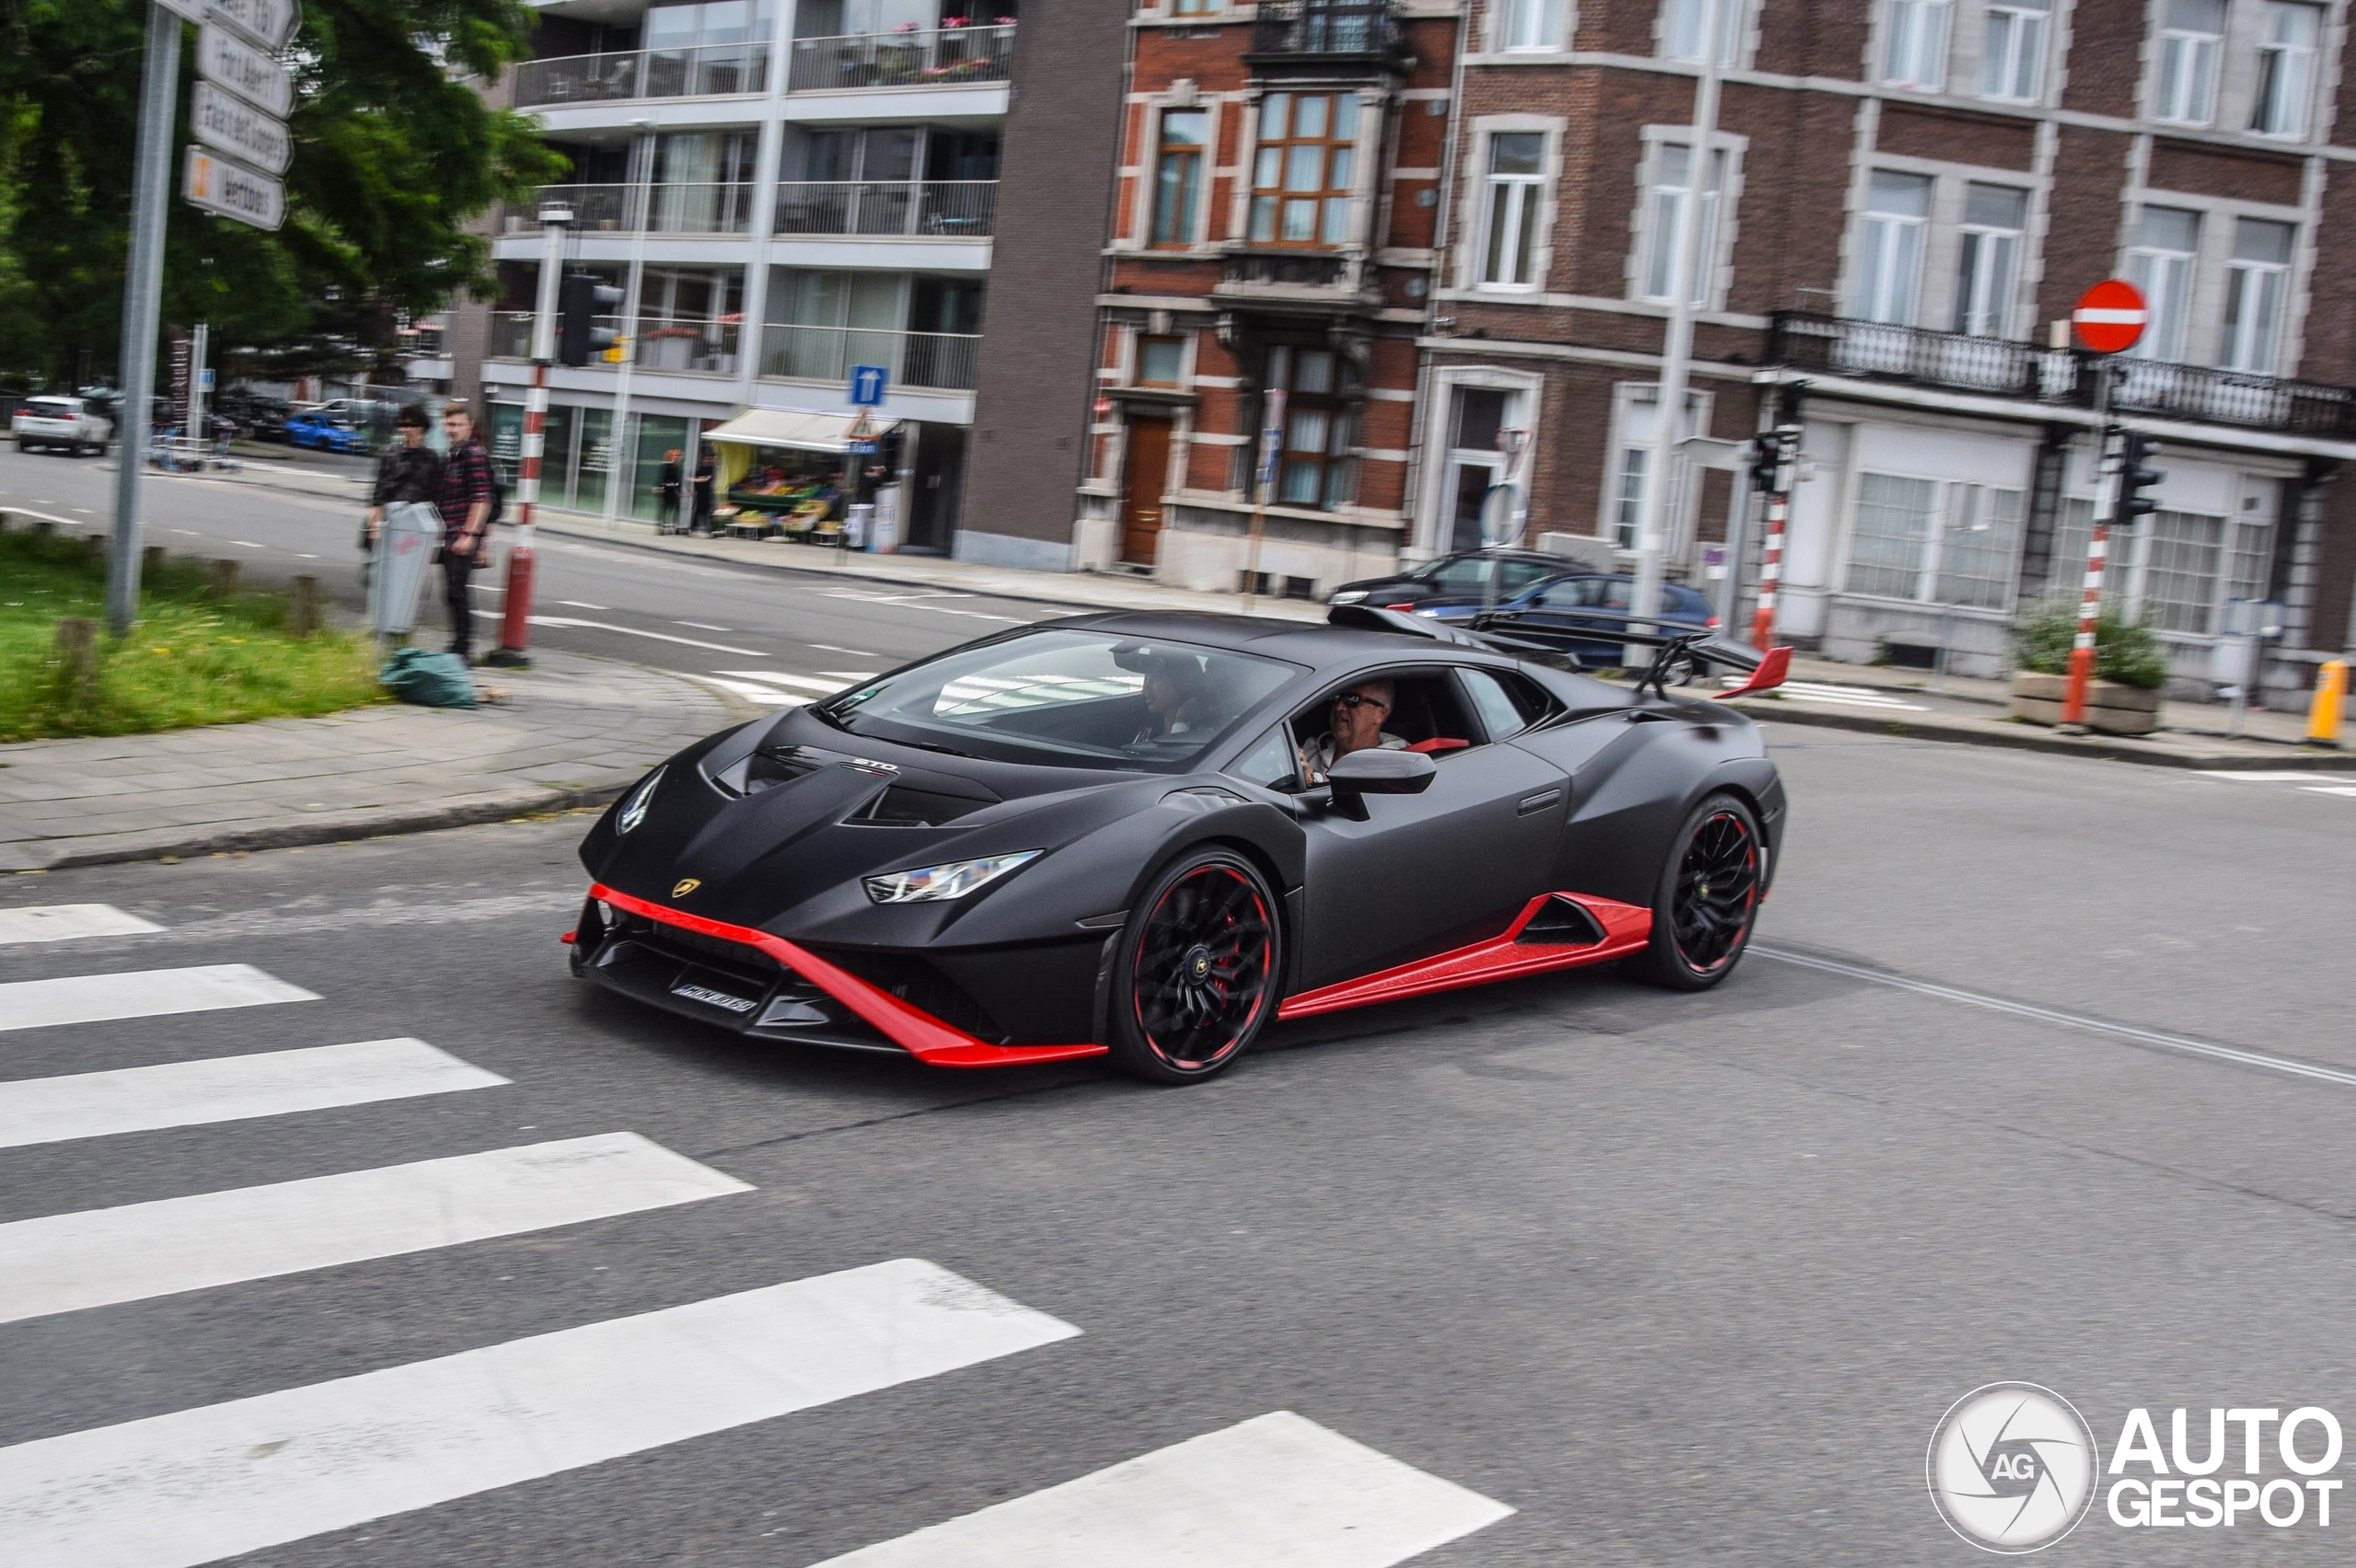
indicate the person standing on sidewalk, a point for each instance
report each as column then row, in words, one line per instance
column 467, row 489
column 706, row 474
column 666, row 494
column 408, row 473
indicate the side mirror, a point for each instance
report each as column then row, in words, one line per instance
column 1377, row 772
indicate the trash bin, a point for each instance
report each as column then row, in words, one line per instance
column 405, row 547
column 855, row 531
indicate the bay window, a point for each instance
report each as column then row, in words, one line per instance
column 1304, row 169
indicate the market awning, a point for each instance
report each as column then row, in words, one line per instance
column 804, row 430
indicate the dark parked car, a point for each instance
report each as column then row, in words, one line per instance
column 1455, row 578
column 1586, row 616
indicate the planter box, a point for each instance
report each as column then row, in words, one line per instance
column 2112, row 708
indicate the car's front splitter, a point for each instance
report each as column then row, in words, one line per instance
column 911, row 1029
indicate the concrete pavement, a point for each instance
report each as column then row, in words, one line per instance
column 570, row 731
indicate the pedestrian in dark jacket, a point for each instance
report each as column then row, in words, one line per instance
column 666, row 494
column 467, row 489
column 408, row 473
column 707, row 474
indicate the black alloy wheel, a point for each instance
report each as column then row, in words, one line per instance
column 1197, row 976
column 1708, row 898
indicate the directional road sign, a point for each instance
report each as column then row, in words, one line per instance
column 2111, row 316
column 232, row 191
column 226, row 60
column 231, row 126
column 268, row 23
column 868, row 383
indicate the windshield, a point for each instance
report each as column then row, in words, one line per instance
column 1070, row 698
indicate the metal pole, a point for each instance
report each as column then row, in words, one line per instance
column 1729, row 593
column 200, row 350
column 143, row 292
column 1677, row 348
column 2082, row 649
column 624, row 452
column 515, row 626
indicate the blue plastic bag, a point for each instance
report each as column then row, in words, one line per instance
column 430, row 680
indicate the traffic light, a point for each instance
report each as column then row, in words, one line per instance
column 585, row 296
column 2135, row 478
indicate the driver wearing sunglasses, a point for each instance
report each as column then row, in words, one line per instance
column 1356, row 725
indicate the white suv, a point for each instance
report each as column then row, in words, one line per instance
column 65, row 423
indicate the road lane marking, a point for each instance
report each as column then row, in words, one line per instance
column 146, row 993
column 1274, row 1490
column 579, row 605
column 911, row 602
column 2348, row 789
column 754, row 693
column 228, row 1088
column 63, row 922
column 854, row 652
column 2133, row 1033
column 67, row 1263
column 246, row 543
column 700, row 625
column 823, row 689
column 636, row 631
column 196, row 1485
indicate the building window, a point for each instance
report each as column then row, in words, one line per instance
column 1178, row 175
column 1301, row 181
column 1628, row 499
column 1910, row 541
column 2160, row 265
column 2012, row 64
column 1196, row 7
column 1516, row 184
column 2194, row 564
column 1669, row 206
column 1889, row 246
column 1987, row 259
column 1681, row 29
column 1530, row 24
column 2256, row 283
column 1161, row 362
column 2191, row 34
column 1915, row 52
column 1476, row 459
column 2286, row 69
column 1316, row 468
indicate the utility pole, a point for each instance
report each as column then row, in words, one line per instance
column 2111, row 443
column 1677, row 346
column 515, row 628
column 143, row 292
column 1779, row 461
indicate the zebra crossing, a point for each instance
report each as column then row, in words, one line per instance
column 2340, row 784
column 194, row 1485
column 780, row 688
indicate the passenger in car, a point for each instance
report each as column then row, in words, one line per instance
column 1355, row 724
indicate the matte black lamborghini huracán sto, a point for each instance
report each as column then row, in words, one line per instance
column 1101, row 837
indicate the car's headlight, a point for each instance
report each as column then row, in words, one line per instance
column 1347, row 596
column 634, row 809
column 936, row 884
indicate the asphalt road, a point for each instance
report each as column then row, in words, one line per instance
column 732, row 625
column 1680, row 1279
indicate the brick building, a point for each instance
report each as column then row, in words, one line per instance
column 1276, row 207
column 1901, row 198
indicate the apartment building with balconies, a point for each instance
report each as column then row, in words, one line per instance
column 1273, row 233
column 782, row 190
column 1902, row 198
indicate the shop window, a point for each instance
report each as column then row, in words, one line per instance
column 1303, row 170
column 1937, row 543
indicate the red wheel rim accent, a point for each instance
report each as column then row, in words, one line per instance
column 1201, row 978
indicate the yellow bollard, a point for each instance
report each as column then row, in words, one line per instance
column 2331, row 697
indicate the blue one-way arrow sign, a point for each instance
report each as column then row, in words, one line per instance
column 867, row 384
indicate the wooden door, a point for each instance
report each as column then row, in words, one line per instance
column 1144, row 476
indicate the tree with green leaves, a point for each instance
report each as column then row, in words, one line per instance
column 397, row 148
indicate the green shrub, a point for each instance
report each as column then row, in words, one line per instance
column 191, row 659
column 2125, row 651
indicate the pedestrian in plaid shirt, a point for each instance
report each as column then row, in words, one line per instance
column 468, row 486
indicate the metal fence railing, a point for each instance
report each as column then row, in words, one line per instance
column 1325, row 26
column 701, row 207
column 715, row 70
column 948, row 208
column 912, row 58
column 943, row 361
column 705, row 348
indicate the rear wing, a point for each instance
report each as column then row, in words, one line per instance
column 1494, row 632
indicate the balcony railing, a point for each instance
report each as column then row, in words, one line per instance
column 725, row 207
column 945, row 208
column 941, row 361
column 707, row 348
column 1359, row 28
column 2000, row 367
column 910, row 59
column 1291, row 274
column 715, row 70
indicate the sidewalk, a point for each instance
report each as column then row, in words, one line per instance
column 574, row 731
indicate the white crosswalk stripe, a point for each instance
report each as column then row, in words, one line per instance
column 98, row 1257
column 1848, row 696
column 1275, row 1491
column 148, row 993
column 2342, row 785
column 63, row 922
column 752, row 691
column 778, row 678
column 173, row 1491
column 227, row 1088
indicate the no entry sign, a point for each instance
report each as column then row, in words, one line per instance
column 2111, row 316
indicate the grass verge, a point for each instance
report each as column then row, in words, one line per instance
column 193, row 658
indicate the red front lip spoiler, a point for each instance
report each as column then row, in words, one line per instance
column 920, row 1034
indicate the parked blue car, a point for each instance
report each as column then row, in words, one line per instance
column 327, row 434
column 1580, row 614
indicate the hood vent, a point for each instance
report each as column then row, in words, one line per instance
column 904, row 805
column 764, row 770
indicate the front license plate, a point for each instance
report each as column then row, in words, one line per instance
column 695, row 993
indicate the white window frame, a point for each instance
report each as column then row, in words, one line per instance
column 2176, row 53
column 1473, row 204
column 1940, row 278
column 1988, row 316
column 1678, row 15
column 2242, row 344
column 1529, row 27
column 2166, row 337
column 2298, row 62
column 1957, row 506
column 1876, row 240
column 1525, row 393
column 1521, row 201
column 1720, row 210
column 2023, row 14
column 1677, row 519
column 1913, row 48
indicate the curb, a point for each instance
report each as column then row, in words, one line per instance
column 2292, row 761
column 334, row 828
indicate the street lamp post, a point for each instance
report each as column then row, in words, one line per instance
column 515, row 626
column 143, row 288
